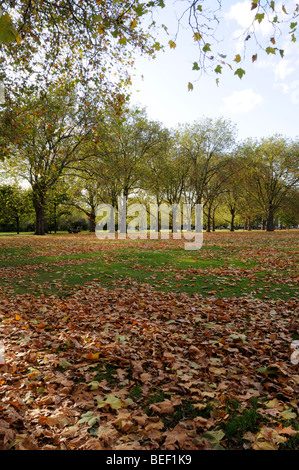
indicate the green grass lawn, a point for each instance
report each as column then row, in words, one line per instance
column 229, row 267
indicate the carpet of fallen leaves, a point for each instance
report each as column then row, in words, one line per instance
column 133, row 368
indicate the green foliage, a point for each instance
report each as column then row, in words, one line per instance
column 110, row 33
column 15, row 205
column 43, row 133
column 238, row 425
column 136, row 393
column 272, row 173
column 8, row 32
column 240, row 72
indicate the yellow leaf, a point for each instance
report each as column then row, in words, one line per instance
column 92, row 356
column 172, row 44
column 288, row 414
column 133, row 24
column 265, row 445
column 114, row 402
column 17, row 317
column 275, row 404
column 95, row 355
column 197, row 36
column 101, row 30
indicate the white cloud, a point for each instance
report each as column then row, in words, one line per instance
column 292, row 90
column 241, row 13
column 295, row 92
column 242, row 101
column 283, row 69
column 285, row 88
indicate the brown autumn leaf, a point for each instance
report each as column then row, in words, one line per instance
column 162, row 408
column 60, row 420
column 158, row 352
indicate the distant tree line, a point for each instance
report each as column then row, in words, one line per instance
column 74, row 153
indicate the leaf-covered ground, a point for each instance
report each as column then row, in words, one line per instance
column 142, row 345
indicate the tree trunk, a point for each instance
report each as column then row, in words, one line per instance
column 55, row 218
column 232, row 222
column 213, row 223
column 270, row 220
column 209, row 220
column 92, row 220
column 39, row 203
column 18, row 225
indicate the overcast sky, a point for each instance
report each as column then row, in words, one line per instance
column 264, row 102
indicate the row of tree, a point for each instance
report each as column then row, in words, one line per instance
column 75, row 152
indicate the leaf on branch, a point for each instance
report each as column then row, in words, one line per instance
column 133, row 24
column 259, row 17
column 237, row 58
column 195, row 66
column 270, row 50
column 254, row 57
column 207, row 47
column 122, row 41
column 240, row 72
column 139, row 10
column 172, row 44
column 197, row 36
column 284, row 9
column 190, row 86
column 8, row 32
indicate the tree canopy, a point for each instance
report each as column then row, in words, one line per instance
column 66, row 70
column 96, row 41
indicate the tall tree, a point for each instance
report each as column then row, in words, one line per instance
column 206, row 146
column 85, row 193
column 272, row 173
column 234, row 187
column 43, row 135
column 123, row 146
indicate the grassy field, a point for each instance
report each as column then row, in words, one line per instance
column 240, row 264
column 144, row 345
